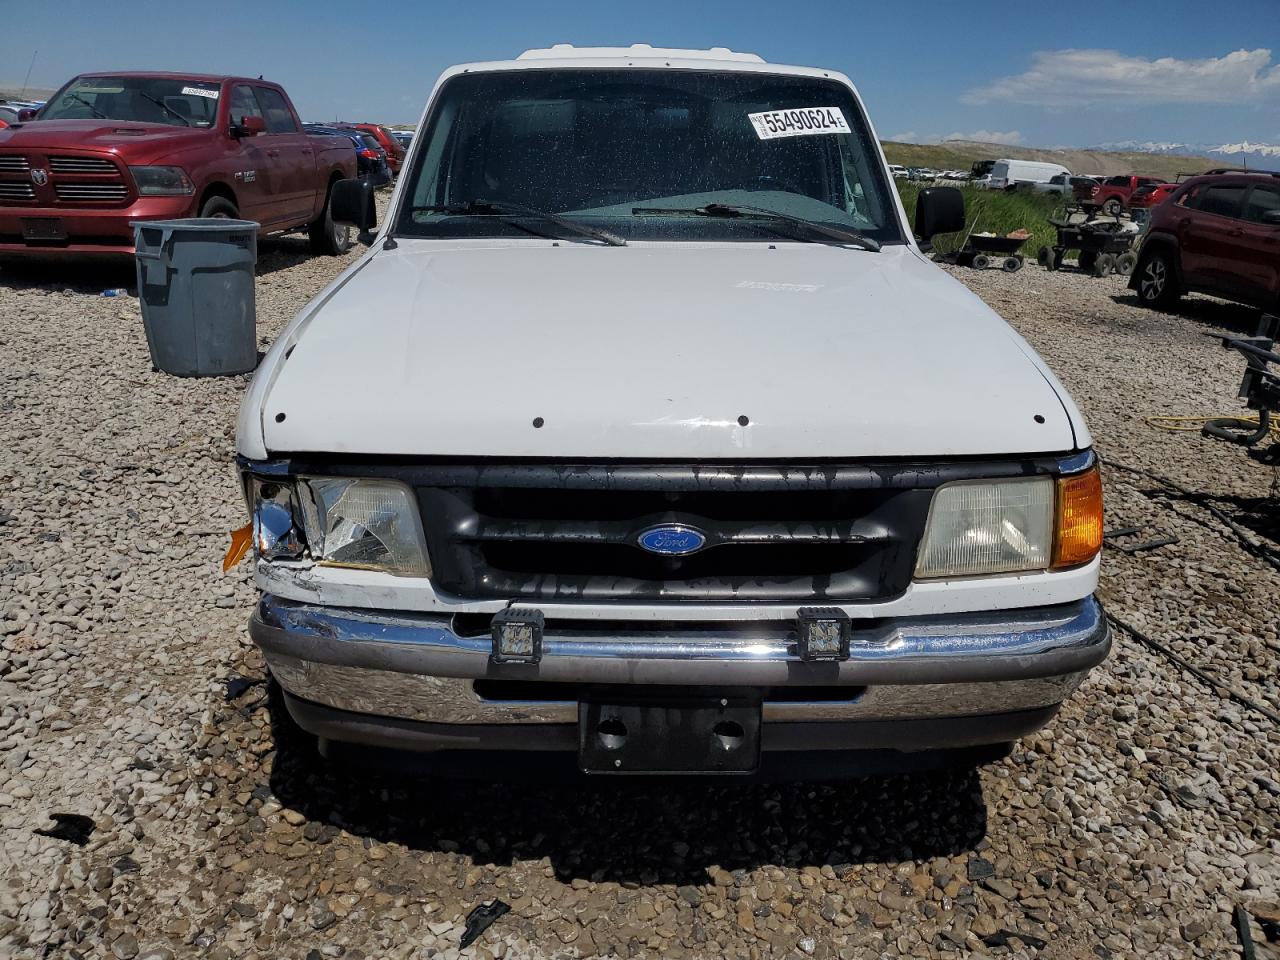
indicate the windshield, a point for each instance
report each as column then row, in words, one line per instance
column 178, row 103
column 629, row 149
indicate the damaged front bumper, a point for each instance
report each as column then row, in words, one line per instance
column 909, row 684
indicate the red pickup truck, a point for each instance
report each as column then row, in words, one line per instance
column 1112, row 194
column 109, row 148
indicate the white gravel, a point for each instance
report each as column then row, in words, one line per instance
column 1130, row 827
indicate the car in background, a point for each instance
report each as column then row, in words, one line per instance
column 11, row 110
column 1009, row 174
column 394, row 151
column 1064, row 184
column 109, row 149
column 371, row 159
column 1219, row 234
column 1113, row 194
column 1150, row 194
column 403, row 137
column 898, row 171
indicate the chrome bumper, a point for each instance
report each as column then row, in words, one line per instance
column 415, row 667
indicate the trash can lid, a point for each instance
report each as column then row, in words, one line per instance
column 198, row 224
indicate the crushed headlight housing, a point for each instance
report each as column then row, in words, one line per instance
column 162, row 181
column 274, row 510
column 370, row 524
column 990, row 526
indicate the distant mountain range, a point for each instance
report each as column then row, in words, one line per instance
column 1245, row 153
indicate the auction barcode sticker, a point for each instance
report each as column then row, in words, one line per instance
column 801, row 122
column 200, row 92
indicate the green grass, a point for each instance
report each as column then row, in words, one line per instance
column 995, row 211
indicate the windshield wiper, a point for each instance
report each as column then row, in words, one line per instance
column 96, row 112
column 165, row 107
column 507, row 209
column 734, row 211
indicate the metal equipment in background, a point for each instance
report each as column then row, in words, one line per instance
column 1105, row 244
column 982, row 251
column 1260, row 389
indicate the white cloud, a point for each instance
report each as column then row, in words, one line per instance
column 1007, row 137
column 1067, row 78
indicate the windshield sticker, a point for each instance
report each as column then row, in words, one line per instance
column 802, row 122
column 199, row 92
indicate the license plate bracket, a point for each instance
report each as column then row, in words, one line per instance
column 695, row 735
column 43, row 228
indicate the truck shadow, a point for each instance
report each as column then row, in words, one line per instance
column 1218, row 314
column 84, row 275
column 634, row 831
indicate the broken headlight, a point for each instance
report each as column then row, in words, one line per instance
column 371, row 524
column 276, row 535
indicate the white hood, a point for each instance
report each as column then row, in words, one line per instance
column 653, row 352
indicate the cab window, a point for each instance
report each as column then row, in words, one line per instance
column 244, row 104
column 279, row 116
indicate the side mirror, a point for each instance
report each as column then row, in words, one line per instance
column 352, row 203
column 1271, row 218
column 26, row 114
column 938, row 210
column 249, row 127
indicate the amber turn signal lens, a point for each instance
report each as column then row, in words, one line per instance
column 1079, row 525
column 240, row 540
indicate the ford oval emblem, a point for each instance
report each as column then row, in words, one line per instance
column 672, row 540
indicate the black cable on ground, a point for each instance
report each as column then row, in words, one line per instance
column 1199, row 498
column 1215, row 684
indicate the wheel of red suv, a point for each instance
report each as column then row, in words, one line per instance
column 1157, row 282
column 327, row 237
column 1112, row 207
column 221, row 208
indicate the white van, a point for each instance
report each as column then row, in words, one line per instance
column 898, row 172
column 1009, row 173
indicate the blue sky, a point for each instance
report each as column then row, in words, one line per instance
column 1041, row 74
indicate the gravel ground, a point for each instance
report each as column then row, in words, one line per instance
column 1130, row 827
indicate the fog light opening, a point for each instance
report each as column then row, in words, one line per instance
column 729, row 734
column 612, row 733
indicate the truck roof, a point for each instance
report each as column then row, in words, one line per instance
column 169, row 75
column 567, row 51
column 643, row 55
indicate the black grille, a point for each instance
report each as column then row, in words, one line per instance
column 565, row 532
column 546, row 543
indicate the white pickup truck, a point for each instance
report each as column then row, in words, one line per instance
column 646, row 433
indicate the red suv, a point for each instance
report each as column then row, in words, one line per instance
column 1218, row 234
column 1112, row 194
column 1151, row 195
column 390, row 145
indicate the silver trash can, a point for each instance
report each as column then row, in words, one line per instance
column 195, row 285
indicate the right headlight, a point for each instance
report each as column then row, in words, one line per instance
column 1012, row 526
column 371, row 524
column 162, row 181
